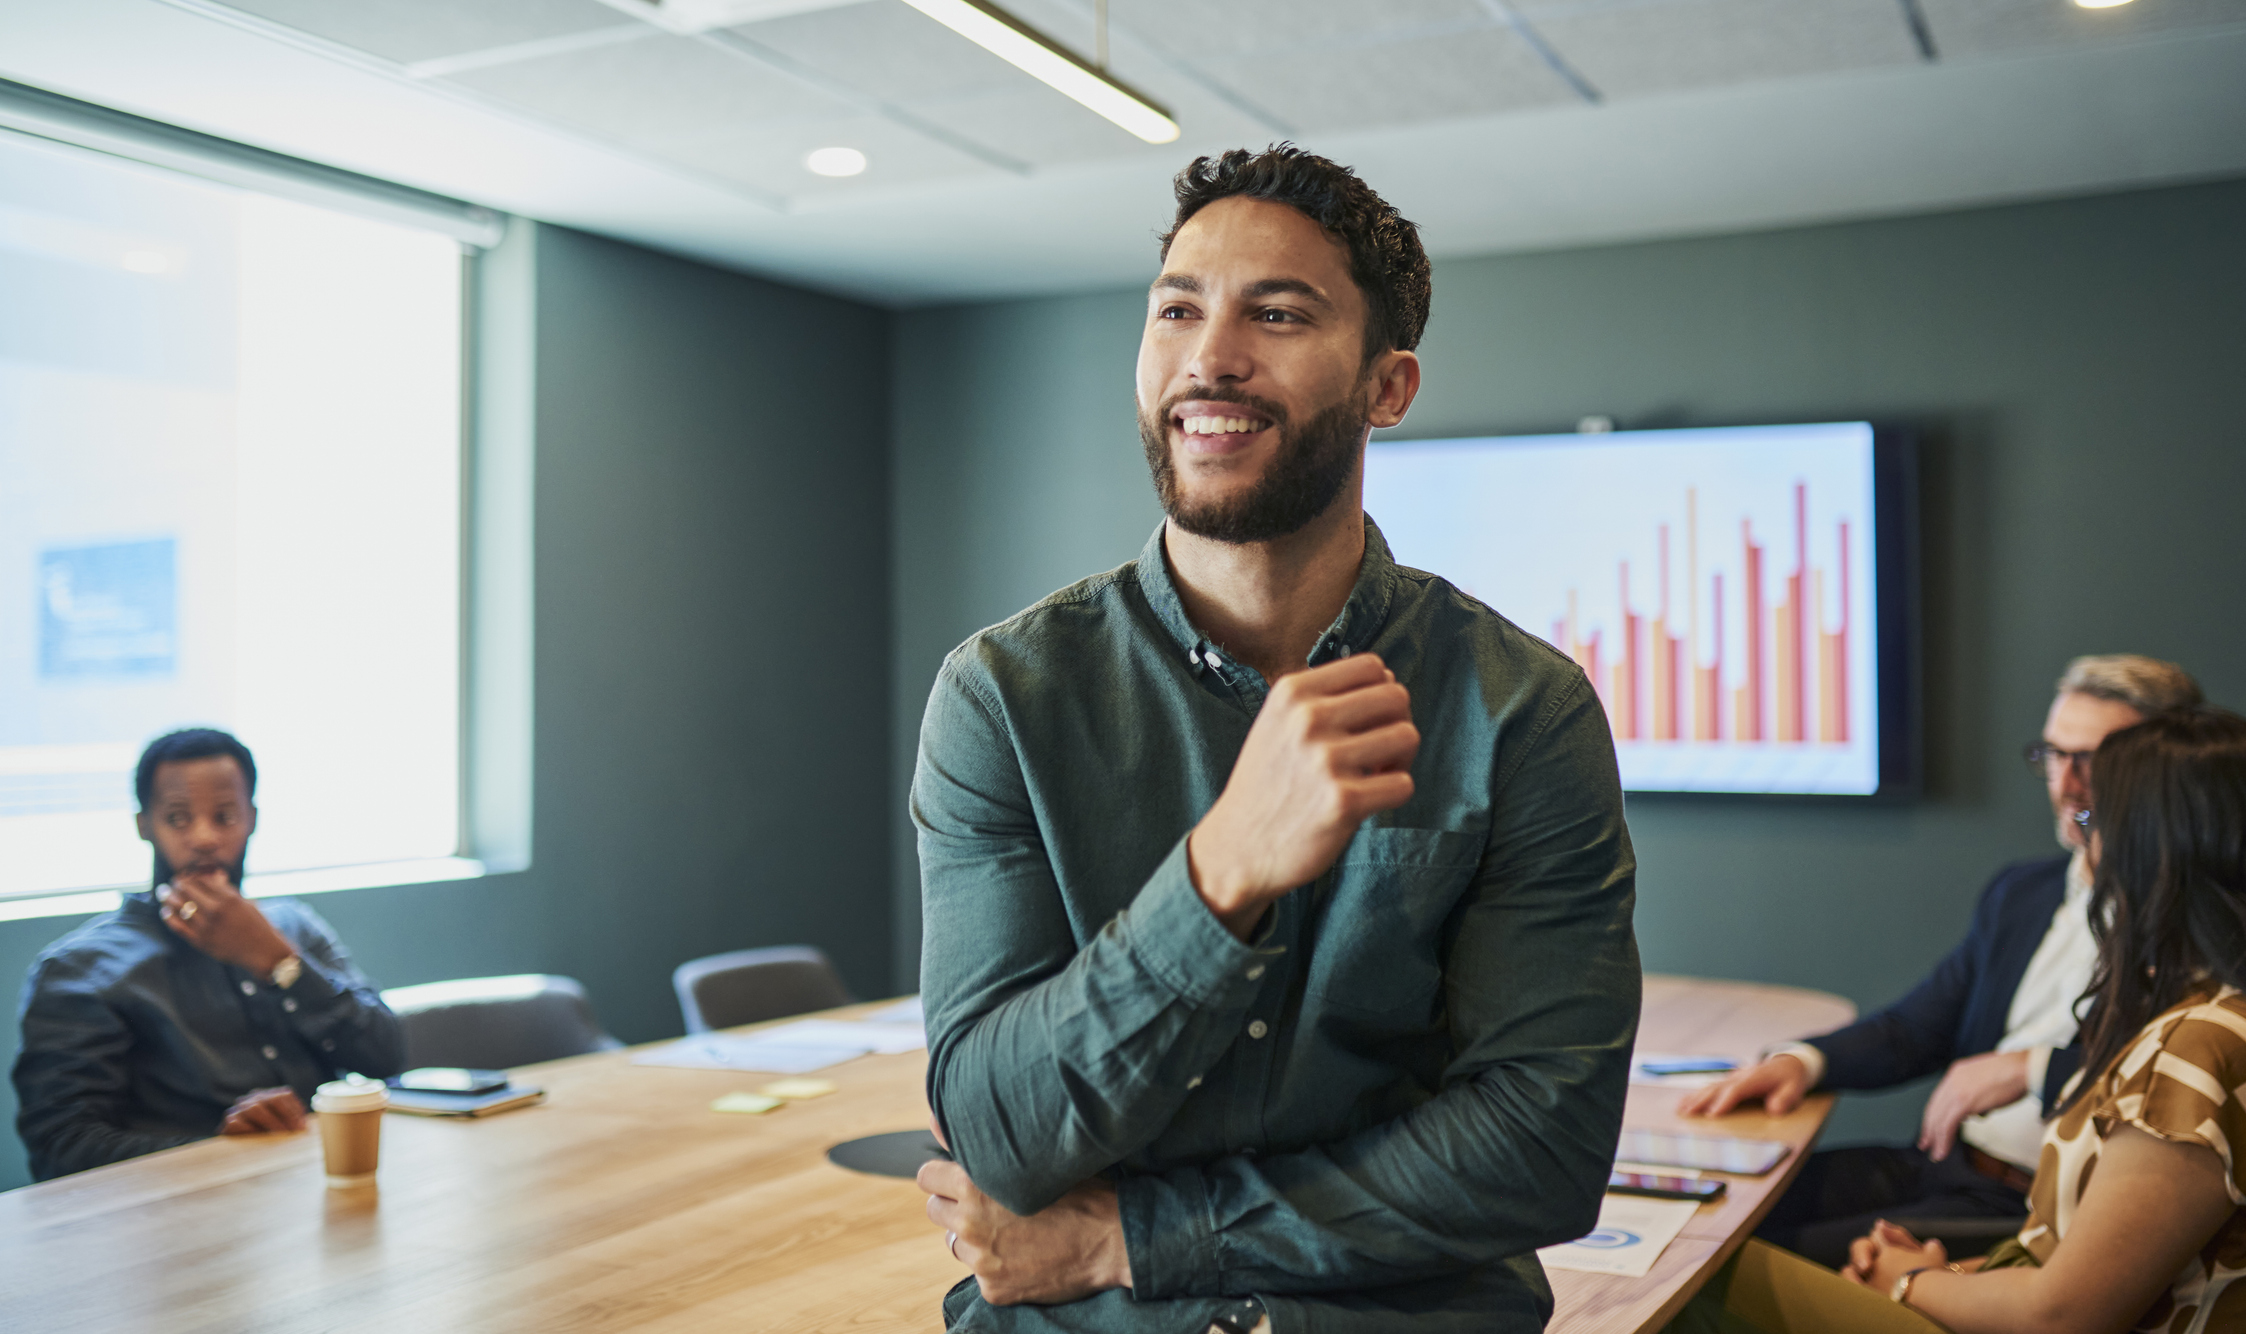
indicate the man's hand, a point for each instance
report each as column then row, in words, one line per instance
column 1070, row 1249
column 264, row 1112
column 1332, row 745
column 1974, row 1085
column 1779, row 1082
column 210, row 914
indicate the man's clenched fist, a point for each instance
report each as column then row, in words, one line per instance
column 1333, row 745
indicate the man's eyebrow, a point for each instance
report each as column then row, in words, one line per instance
column 1177, row 282
column 1286, row 287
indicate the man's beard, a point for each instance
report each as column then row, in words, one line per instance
column 1309, row 470
column 165, row 871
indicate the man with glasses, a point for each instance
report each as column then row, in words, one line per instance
column 1996, row 1015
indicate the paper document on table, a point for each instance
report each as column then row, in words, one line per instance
column 750, row 1051
column 1631, row 1234
column 1669, row 1070
column 906, row 1011
column 887, row 1039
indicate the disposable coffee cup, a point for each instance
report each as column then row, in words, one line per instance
column 350, row 1112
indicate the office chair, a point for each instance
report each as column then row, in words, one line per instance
column 748, row 986
column 494, row 1023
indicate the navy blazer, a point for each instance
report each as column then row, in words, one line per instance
column 1960, row 1009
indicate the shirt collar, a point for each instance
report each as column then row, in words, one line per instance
column 1354, row 630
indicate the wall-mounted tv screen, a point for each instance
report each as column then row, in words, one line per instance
column 1740, row 597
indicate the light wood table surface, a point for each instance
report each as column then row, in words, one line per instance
column 624, row 1202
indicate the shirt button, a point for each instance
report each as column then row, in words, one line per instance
column 1258, row 1029
column 1194, row 1082
column 249, row 988
column 289, row 1005
column 272, row 1053
column 1255, row 972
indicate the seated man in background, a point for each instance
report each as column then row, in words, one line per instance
column 1997, row 1015
column 190, row 1010
column 1278, row 961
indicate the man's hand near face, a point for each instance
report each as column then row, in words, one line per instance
column 264, row 1112
column 1070, row 1249
column 1332, row 745
column 207, row 911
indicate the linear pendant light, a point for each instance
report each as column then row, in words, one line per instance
column 1047, row 61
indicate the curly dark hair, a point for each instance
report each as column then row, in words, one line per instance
column 192, row 743
column 1385, row 257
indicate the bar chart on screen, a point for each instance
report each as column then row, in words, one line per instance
column 1717, row 587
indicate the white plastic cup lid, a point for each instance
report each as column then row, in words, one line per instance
column 352, row 1093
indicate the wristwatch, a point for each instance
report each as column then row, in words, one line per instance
column 286, row 972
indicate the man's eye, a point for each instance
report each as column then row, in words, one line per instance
column 1276, row 316
column 177, row 819
column 1172, row 313
column 224, row 817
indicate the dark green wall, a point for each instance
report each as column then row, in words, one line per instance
column 2075, row 366
column 712, row 651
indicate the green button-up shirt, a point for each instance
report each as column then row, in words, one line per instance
column 1378, row 1107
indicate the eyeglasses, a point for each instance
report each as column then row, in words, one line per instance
column 2051, row 761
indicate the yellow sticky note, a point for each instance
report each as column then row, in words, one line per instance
column 751, row 1104
column 799, row 1088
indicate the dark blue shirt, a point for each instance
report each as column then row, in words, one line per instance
column 1375, row 1110
column 134, row 1040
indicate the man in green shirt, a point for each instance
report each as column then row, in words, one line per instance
column 1278, row 961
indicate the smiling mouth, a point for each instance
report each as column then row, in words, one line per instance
column 1220, row 425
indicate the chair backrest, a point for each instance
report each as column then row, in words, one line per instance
column 748, row 986
column 495, row 1023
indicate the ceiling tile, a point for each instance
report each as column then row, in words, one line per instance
column 1354, row 86
column 1630, row 48
column 1964, row 28
column 885, row 48
column 769, row 157
column 413, row 30
column 655, row 94
column 1197, row 28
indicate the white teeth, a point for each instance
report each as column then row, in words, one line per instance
column 1217, row 425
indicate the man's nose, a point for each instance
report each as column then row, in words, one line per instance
column 1220, row 355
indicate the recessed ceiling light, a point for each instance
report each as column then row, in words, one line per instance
column 2100, row 4
column 835, row 161
column 1043, row 59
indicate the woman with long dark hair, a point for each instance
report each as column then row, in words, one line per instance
column 2137, row 1218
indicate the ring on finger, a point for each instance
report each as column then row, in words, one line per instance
column 187, row 910
column 951, row 1243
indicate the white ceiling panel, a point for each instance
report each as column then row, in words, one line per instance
column 887, row 49
column 1965, row 28
column 769, row 157
column 672, row 97
column 1198, row 28
column 1350, row 86
column 413, row 30
column 1632, row 48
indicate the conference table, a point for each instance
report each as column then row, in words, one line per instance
column 625, row 1202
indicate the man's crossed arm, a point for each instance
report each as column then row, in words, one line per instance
column 1060, row 1063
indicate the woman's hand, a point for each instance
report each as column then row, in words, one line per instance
column 1879, row 1260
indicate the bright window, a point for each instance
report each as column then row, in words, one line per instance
column 230, row 495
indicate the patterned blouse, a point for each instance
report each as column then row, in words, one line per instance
column 2185, row 1081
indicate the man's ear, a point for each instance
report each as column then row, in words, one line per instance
column 1395, row 383
column 140, row 822
column 253, row 821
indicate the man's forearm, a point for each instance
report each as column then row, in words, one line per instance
column 1486, row 1170
column 1061, row 1081
column 83, row 1142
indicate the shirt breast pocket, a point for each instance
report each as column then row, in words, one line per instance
column 1377, row 946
